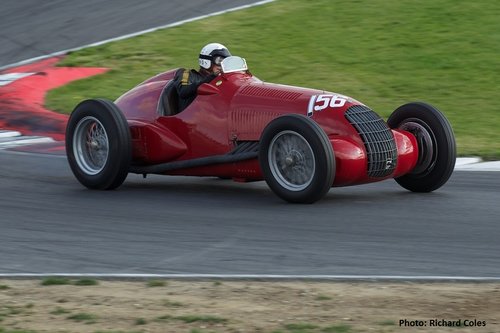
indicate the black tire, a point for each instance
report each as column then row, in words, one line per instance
column 297, row 159
column 98, row 144
column 436, row 145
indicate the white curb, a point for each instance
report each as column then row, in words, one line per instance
column 476, row 164
column 257, row 277
column 10, row 139
column 9, row 134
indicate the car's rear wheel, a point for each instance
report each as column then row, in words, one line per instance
column 436, row 146
column 297, row 159
column 98, row 144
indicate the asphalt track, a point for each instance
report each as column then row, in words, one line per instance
column 173, row 225
column 177, row 225
column 33, row 28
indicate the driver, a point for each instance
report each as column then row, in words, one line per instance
column 187, row 82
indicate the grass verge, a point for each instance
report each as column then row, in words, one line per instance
column 383, row 52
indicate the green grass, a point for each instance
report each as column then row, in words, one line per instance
column 140, row 321
column 4, row 287
column 341, row 328
column 55, row 281
column 86, row 317
column 156, row 283
column 59, row 311
column 12, row 310
column 86, row 282
column 387, row 322
column 300, row 327
column 382, row 52
column 194, row 318
column 4, row 330
column 118, row 332
column 312, row 328
column 323, row 298
column 203, row 319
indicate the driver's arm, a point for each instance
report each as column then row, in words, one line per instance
column 187, row 83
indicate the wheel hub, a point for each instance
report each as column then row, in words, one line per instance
column 427, row 148
column 289, row 161
column 293, row 158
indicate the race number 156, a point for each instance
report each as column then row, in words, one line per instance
column 321, row 102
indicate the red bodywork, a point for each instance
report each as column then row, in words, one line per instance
column 237, row 107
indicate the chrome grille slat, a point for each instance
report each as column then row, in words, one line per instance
column 379, row 142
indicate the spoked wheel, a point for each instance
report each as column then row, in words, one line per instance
column 296, row 158
column 91, row 143
column 436, row 146
column 98, row 144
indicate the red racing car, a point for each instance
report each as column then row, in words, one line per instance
column 300, row 141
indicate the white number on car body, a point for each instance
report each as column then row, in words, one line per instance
column 321, row 102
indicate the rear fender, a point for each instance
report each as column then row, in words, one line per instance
column 154, row 144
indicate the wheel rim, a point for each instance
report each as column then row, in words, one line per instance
column 291, row 160
column 427, row 147
column 90, row 145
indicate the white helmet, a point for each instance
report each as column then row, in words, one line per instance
column 212, row 53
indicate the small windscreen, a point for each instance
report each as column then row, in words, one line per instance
column 234, row 64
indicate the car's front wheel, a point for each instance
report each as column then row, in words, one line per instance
column 297, row 159
column 436, row 145
column 98, row 144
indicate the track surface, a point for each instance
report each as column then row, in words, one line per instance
column 51, row 224
column 33, row 28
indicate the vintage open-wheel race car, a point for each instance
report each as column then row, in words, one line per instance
column 300, row 141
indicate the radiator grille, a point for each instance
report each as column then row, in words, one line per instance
column 379, row 143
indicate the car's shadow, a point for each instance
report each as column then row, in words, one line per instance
column 227, row 191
